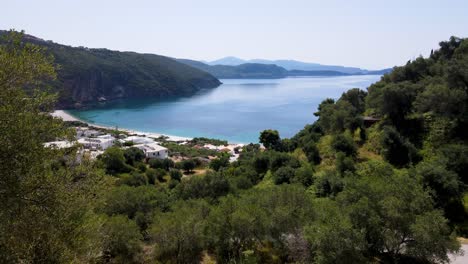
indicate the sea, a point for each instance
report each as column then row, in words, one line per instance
column 236, row 111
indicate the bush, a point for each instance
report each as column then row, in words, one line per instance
column 165, row 164
column 141, row 166
column 134, row 179
column 175, row 174
column 121, row 239
column 304, row 176
column 219, row 163
column 344, row 143
column 396, row 149
column 156, row 164
column 133, row 155
column 188, row 165
column 160, row 173
column 212, row 185
column 344, row 163
column 283, row 175
column 151, row 174
column 261, row 162
column 114, row 161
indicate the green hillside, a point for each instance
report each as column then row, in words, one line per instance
column 243, row 71
column 380, row 177
column 86, row 76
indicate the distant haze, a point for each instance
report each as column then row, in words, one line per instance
column 367, row 34
column 287, row 64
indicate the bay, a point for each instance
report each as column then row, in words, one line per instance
column 236, row 111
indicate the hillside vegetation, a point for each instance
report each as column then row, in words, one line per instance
column 379, row 178
column 86, row 76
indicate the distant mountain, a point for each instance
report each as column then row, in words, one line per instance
column 242, row 71
column 295, row 65
column 264, row 71
column 87, row 76
column 231, row 61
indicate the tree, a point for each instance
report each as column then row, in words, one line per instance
column 270, row 139
column 160, row 173
column 337, row 117
column 345, row 144
column 114, row 161
column 134, row 179
column 188, row 165
column 261, row 163
column 332, row 236
column 168, row 164
column 134, row 201
column 257, row 221
column 178, row 235
column 175, row 174
column 211, row 186
column 356, row 97
column 394, row 213
column 122, row 239
column 46, row 200
column 445, row 187
column 151, row 175
column 304, row 175
column 219, row 163
column 156, row 163
column 283, row 175
column 133, row 155
column 396, row 149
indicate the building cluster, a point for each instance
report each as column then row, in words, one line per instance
column 91, row 143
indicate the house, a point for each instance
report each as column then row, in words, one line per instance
column 153, row 151
column 137, row 140
column 101, row 143
column 82, row 132
column 108, row 136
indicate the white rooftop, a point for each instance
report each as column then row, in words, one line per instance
column 139, row 140
column 150, row 147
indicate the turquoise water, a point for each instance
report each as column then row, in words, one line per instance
column 235, row 111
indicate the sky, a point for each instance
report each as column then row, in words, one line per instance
column 362, row 33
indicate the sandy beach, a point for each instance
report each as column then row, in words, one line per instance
column 67, row 117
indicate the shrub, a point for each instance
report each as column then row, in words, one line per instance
column 283, row 175
column 134, row 179
column 121, row 239
column 175, row 174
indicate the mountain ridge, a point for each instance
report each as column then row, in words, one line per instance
column 87, row 76
column 266, row 71
column 293, row 65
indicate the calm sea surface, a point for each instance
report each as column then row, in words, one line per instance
column 236, row 111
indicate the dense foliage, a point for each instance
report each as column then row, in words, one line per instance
column 343, row 190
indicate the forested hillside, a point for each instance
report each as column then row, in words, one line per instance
column 379, row 178
column 86, row 76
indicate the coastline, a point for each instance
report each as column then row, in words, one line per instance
column 65, row 116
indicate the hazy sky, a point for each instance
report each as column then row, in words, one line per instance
column 365, row 33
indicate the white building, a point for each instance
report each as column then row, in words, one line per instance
column 137, row 140
column 82, row 132
column 101, row 143
column 153, row 151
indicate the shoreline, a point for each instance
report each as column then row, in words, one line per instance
column 65, row 116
